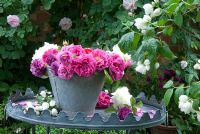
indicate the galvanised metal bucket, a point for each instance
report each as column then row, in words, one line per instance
column 78, row 94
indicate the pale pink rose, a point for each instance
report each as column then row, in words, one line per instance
column 102, row 59
column 84, row 65
column 117, row 67
column 50, row 56
column 65, row 72
column 64, row 57
column 104, row 100
column 13, row 20
column 139, row 112
column 65, row 23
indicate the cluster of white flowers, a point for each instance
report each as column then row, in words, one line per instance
column 129, row 4
column 65, row 23
column 126, row 57
column 39, row 52
column 185, row 105
column 197, row 65
column 184, row 64
column 143, row 68
column 121, row 97
column 142, row 23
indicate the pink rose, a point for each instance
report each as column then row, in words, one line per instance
column 76, row 50
column 102, row 59
column 50, row 56
column 117, row 66
column 65, row 72
column 54, row 67
column 38, row 68
column 104, row 100
column 65, row 23
column 64, row 57
column 84, row 65
column 139, row 112
column 13, row 20
column 88, row 50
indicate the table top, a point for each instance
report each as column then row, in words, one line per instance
column 100, row 121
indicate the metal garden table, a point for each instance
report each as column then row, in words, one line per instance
column 100, row 121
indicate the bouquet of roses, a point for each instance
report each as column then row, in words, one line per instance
column 75, row 60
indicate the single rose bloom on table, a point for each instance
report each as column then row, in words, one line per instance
column 104, row 100
column 123, row 112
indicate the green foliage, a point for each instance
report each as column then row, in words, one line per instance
column 167, row 96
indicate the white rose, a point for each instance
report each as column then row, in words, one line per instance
column 197, row 66
column 45, row 106
column 52, row 103
column 183, row 98
column 157, row 65
column 54, row 112
column 43, row 94
column 141, row 69
column 156, row 12
column 65, row 23
column 121, row 97
column 129, row 4
column 147, row 62
column 184, row 64
column 148, row 9
column 147, row 18
column 185, row 107
column 140, row 23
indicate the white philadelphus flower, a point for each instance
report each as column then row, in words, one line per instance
column 185, row 107
column 130, row 14
column 121, row 97
column 29, row 105
column 197, row 66
column 38, row 108
column 54, row 112
column 39, row 52
column 157, row 65
column 52, row 103
column 184, row 64
column 198, row 61
column 147, row 62
column 129, row 4
column 45, row 106
column 65, row 23
column 18, row 130
column 156, row 12
column 43, row 94
column 37, row 112
column 140, row 23
column 156, row 1
column 147, row 18
column 148, row 9
column 141, row 68
column 147, row 67
column 183, row 98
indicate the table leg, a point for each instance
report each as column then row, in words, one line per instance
column 33, row 129
column 47, row 130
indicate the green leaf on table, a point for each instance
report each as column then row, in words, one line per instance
column 110, row 110
column 129, row 41
column 133, row 101
column 139, row 104
column 167, row 96
column 27, row 2
column 196, row 104
column 108, row 78
column 134, row 109
column 178, row 20
column 165, row 51
column 168, row 84
column 4, row 87
column 178, row 92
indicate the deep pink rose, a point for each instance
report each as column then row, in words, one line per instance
column 102, row 59
column 38, row 68
column 54, row 67
column 88, row 50
column 13, row 20
column 139, row 112
column 76, row 50
column 123, row 112
column 84, row 65
column 50, row 56
column 104, row 100
column 64, row 57
column 65, row 72
column 117, row 66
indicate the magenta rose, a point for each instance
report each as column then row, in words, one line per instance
column 84, row 65
column 117, row 66
column 65, row 72
column 50, row 56
column 64, row 57
column 104, row 100
column 54, row 67
column 13, row 20
column 123, row 112
column 76, row 50
column 38, row 68
column 102, row 59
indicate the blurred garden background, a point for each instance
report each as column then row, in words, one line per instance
column 164, row 33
